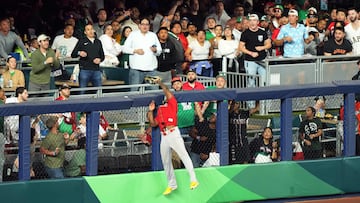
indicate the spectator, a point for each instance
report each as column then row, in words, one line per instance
column 238, row 12
column 194, row 15
column 33, row 45
column 134, row 20
column 228, row 48
column 53, row 147
column 220, row 15
column 204, row 135
column 11, row 123
column 43, row 60
column 67, row 121
column 237, row 29
column 340, row 17
column 124, row 58
column 253, row 43
column 210, row 31
column 186, row 110
column 81, row 130
column 184, row 24
column 279, row 50
column 166, row 60
column 176, row 30
column 143, row 47
column 99, row 27
column 292, row 36
column 239, row 151
column 269, row 9
column 216, row 61
column 66, row 42
column 263, row 149
column 111, row 48
column 9, row 39
column 278, row 13
column 352, row 30
column 192, row 32
column 116, row 31
column 310, row 131
column 199, row 53
column 192, row 83
column 13, row 77
column 166, row 119
column 77, row 164
column 338, row 45
column 91, row 55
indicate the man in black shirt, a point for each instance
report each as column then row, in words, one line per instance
column 338, row 45
column 253, row 44
column 166, row 60
column 91, row 55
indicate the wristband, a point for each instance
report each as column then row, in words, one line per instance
column 54, row 153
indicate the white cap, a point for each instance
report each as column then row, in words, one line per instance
column 293, row 12
column 253, row 17
column 43, row 37
column 312, row 9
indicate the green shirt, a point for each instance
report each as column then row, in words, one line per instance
column 40, row 72
column 79, row 159
column 186, row 114
column 212, row 108
column 51, row 142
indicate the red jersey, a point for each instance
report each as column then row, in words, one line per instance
column 167, row 114
column 198, row 86
column 69, row 120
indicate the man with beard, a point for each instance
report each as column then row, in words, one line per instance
column 338, row 45
column 192, row 83
column 352, row 30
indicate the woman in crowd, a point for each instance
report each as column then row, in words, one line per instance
column 124, row 58
column 228, row 48
column 111, row 48
column 199, row 53
column 13, row 77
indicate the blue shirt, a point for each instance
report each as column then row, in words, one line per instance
column 298, row 34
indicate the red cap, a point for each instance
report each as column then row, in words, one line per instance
column 175, row 79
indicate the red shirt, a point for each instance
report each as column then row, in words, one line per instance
column 167, row 114
column 198, row 86
column 72, row 120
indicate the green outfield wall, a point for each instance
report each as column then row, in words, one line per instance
column 218, row 184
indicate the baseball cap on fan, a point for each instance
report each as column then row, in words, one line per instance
column 43, row 37
column 253, row 17
column 293, row 12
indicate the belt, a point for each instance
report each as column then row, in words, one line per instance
column 168, row 129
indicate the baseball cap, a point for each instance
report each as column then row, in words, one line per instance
column 293, row 12
column 270, row 4
column 279, row 7
column 64, row 86
column 190, row 70
column 253, row 17
column 185, row 18
column 43, row 37
column 221, row 76
column 312, row 9
column 264, row 18
column 176, row 79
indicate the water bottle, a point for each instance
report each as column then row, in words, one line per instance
column 1, row 81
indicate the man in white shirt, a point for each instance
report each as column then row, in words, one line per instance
column 65, row 43
column 11, row 123
column 220, row 14
column 143, row 47
column 352, row 30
